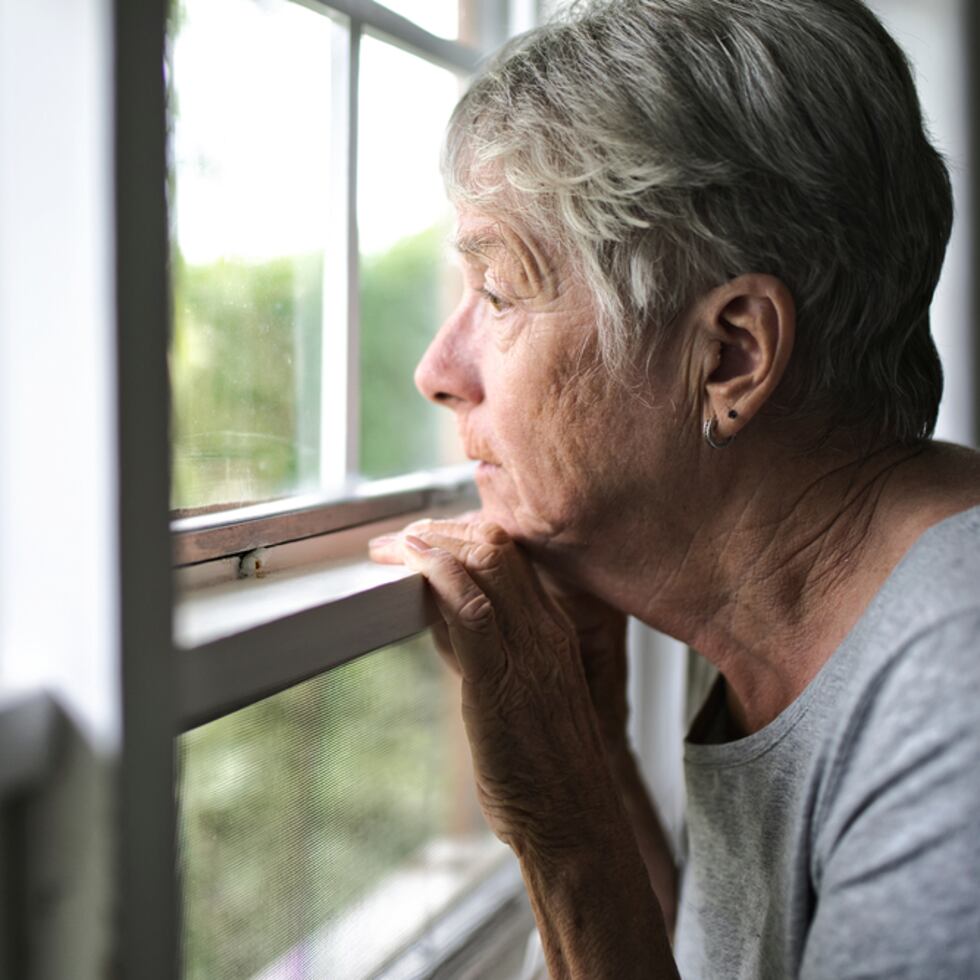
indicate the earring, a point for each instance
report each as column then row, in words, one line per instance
column 709, row 434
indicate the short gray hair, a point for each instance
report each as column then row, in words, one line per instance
column 668, row 146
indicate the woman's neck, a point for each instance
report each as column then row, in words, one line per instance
column 770, row 585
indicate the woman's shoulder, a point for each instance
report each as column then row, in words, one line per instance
column 936, row 580
column 942, row 481
column 931, row 542
column 916, row 649
column 907, row 735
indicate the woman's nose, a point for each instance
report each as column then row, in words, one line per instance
column 448, row 373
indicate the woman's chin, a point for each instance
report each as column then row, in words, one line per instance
column 496, row 505
column 501, row 507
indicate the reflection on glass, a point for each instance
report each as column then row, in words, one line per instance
column 408, row 284
column 250, row 115
column 439, row 17
column 317, row 824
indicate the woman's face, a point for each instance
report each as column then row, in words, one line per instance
column 562, row 450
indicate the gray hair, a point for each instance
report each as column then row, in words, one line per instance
column 667, row 146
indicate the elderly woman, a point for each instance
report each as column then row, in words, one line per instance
column 700, row 239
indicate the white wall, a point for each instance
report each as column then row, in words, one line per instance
column 58, row 617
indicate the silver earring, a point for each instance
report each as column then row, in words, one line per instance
column 709, row 434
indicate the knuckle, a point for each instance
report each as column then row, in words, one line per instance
column 476, row 614
column 447, row 559
column 494, row 534
column 486, row 557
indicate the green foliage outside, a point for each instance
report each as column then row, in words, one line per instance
column 295, row 806
column 245, row 367
column 243, row 335
column 401, row 293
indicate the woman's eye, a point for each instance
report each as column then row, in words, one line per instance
column 498, row 303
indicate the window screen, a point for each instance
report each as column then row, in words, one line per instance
column 321, row 827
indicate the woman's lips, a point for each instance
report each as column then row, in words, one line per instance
column 482, row 458
column 485, row 468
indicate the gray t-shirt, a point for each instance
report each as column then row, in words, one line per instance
column 843, row 839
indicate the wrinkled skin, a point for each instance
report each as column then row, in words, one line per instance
column 542, row 660
column 562, row 447
column 535, row 739
column 516, row 363
column 544, row 707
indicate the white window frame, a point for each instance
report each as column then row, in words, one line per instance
column 85, row 585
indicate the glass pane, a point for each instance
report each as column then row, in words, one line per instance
column 319, row 827
column 250, row 116
column 439, row 17
column 408, row 284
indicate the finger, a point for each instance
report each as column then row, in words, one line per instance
column 387, row 549
column 498, row 569
column 497, row 565
column 444, row 646
column 483, row 548
column 465, row 607
column 470, row 527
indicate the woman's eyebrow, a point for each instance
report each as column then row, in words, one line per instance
column 530, row 268
column 478, row 243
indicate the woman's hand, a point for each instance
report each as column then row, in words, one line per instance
column 538, row 756
column 601, row 633
column 599, row 628
column 537, row 752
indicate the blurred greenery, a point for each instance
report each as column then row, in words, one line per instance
column 245, row 369
column 401, row 296
column 295, row 806
column 240, row 334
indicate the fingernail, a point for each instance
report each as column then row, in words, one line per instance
column 382, row 539
column 416, row 544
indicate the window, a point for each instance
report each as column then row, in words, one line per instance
column 327, row 824
column 308, row 248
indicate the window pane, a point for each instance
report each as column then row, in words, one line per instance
column 317, row 824
column 439, row 17
column 250, row 112
column 408, row 286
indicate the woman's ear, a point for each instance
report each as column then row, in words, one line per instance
column 751, row 327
